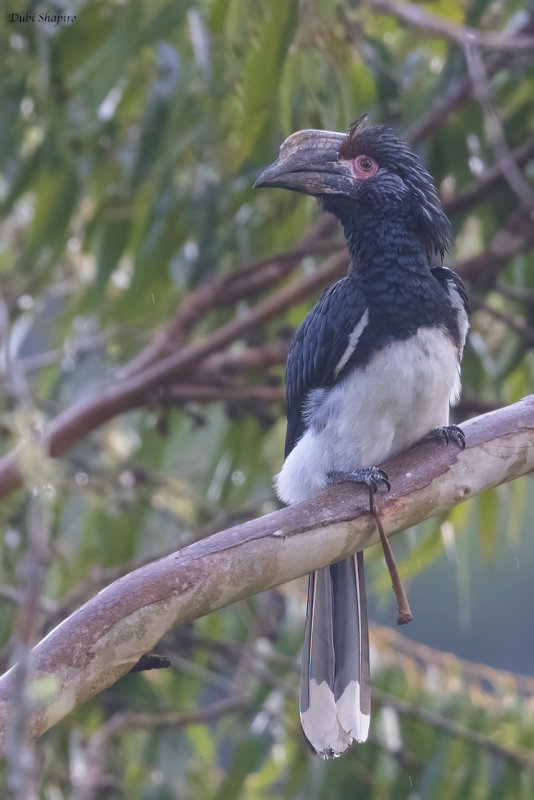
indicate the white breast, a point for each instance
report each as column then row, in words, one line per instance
column 377, row 411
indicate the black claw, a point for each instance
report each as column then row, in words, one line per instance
column 449, row 433
column 385, row 479
column 373, row 477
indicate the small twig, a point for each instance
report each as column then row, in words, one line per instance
column 457, row 93
column 223, row 291
column 31, row 573
column 231, row 363
column 494, row 128
column 404, row 613
column 211, row 382
column 490, row 683
column 517, row 236
column 492, row 178
column 438, row 26
column 516, row 324
column 91, row 777
column 519, row 293
column 520, row 756
column 12, row 594
column 214, row 394
column 129, row 720
column 204, row 675
column 444, row 104
column 17, row 384
column 50, row 357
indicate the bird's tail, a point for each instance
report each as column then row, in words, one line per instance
column 335, row 695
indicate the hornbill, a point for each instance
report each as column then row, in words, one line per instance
column 372, row 369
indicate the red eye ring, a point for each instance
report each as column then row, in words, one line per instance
column 364, row 167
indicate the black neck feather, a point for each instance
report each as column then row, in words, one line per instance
column 378, row 240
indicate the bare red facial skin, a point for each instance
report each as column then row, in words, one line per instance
column 362, row 167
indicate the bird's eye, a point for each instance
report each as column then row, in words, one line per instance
column 364, row 167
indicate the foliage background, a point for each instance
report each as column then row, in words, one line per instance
column 129, row 143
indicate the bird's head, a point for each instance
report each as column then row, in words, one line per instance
column 367, row 173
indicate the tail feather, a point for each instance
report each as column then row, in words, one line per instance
column 335, row 700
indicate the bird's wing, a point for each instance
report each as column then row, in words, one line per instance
column 451, row 281
column 457, row 293
column 321, row 348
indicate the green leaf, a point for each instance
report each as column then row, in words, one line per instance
column 254, row 109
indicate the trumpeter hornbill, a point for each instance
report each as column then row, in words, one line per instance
column 371, row 370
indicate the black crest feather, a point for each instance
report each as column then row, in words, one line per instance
column 396, row 157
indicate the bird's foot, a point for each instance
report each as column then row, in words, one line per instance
column 449, row 433
column 373, row 477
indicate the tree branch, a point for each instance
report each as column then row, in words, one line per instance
column 494, row 128
column 439, row 26
column 168, row 362
column 136, row 382
column 93, row 780
column 459, row 92
column 515, row 237
column 103, row 640
column 479, row 190
column 205, row 393
column 219, row 292
column 520, row 757
column 515, row 323
column 132, row 390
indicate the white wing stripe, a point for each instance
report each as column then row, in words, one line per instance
column 354, row 338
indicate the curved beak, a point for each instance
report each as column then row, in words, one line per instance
column 309, row 163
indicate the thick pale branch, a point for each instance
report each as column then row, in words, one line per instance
column 102, row 640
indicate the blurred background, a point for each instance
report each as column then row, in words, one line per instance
column 129, row 142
